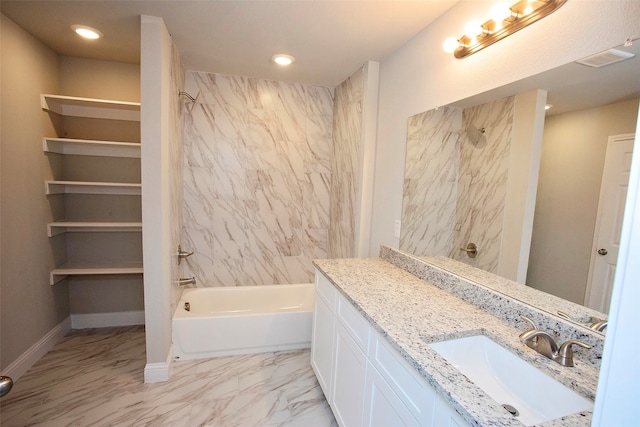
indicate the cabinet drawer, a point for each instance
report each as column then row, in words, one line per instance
column 326, row 290
column 354, row 323
column 402, row 378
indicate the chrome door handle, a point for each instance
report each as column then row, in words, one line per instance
column 603, row 251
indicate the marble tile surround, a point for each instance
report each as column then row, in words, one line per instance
column 176, row 145
column 257, row 176
column 454, row 189
column 482, row 183
column 431, row 181
column 346, row 167
column 94, row 378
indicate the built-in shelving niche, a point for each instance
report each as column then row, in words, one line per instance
column 118, row 228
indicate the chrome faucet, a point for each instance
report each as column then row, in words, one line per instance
column 599, row 325
column 187, row 281
column 544, row 344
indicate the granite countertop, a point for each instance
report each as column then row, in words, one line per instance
column 411, row 312
column 547, row 302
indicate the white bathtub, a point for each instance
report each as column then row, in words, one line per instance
column 242, row 319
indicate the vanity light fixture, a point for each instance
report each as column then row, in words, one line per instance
column 505, row 20
column 87, row 32
column 282, row 59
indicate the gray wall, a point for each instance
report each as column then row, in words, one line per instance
column 30, row 307
column 105, row 80
column 573, row 152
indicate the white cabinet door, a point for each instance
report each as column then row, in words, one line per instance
column 348, row 380
column 446, row 416
column 322, row 340
column 382, row 407
column 418, row 396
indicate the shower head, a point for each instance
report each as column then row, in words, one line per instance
column 474, row 134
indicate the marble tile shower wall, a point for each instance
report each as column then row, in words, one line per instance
column 482, row 182
column 176, row 144
column 257, row 174
column 430, row 182
column 345, row 190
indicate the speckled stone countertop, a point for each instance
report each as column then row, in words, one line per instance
column 580, row 314
column 411, row 312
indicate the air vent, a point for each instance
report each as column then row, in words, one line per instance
column 605, row 58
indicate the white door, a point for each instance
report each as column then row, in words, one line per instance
column 613, row 195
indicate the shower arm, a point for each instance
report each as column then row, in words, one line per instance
column 191, row 98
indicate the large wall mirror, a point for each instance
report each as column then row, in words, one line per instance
column 496, row 182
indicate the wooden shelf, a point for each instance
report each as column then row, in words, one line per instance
column 87, row 147
column 72, row 269
column 71, row 106
column 91, row 107
column 82, row 187
column 60, row 227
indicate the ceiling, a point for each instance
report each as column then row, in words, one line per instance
column 574, row 86
column 330, row 39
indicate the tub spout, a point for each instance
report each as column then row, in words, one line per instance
column 187, row 281
column 5, row 385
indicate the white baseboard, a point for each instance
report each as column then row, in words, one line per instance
column 105, row 320
column 158, row 372
column 27, row 359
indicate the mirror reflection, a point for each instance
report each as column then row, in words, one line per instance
column 524, row 185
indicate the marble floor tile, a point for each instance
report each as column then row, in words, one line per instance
column 94, row 377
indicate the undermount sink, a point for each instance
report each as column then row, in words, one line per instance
column 511, row 381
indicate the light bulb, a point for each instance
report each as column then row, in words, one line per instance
column 86, row 32
column 473, row 29
column 282, row 59
column 499, row 13
column 529, row 8
column 450, row 44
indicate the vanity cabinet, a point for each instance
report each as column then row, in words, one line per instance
column 365, row 380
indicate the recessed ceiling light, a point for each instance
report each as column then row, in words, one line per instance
column 282, row 59
column 87, row 32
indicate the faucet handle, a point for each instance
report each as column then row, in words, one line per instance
column 531, row 322
column 565, row 353
column 182, row 254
